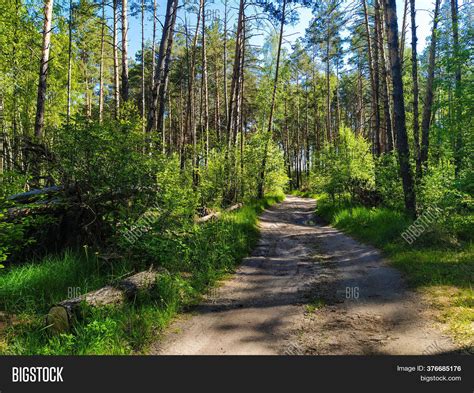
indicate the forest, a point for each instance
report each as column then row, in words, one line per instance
column 148, row 135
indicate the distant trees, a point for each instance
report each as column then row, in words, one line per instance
column 199, row 88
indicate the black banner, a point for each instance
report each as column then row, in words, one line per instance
column 450, row 373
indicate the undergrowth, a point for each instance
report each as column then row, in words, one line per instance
column 194, row 260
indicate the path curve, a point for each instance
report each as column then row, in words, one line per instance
column 307, row 289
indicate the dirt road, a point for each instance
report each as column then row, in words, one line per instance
column 307, row 289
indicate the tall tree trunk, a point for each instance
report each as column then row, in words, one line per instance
column 404, row 30
column 217, row 101
column 328, row 88
column 191, row 121
column 457, row 89
column 372, row 70
column 163, row 91
column 233, row 99
column 88, row 93
column 125, row 82
column 182, row 137
column 171, row 9
column 385, row 95
column 3, row 150
column 399, row 109
column 261, row 180
column 153, row 45
column 241, row 118
column 414, row 75
column 377, row 35
column 428, row 102
column 101, row 65
column 338, row 105
column 69, row 63
column 143, row 64
column 389, row 74
column 225, row 68
column 43, row 71
column 205, row 92
column 360, row 128
column 116, row 60
column 306, row 132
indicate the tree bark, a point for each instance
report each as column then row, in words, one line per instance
column 125, row 82
column 101, row 65
column 428, row 102
column 376, row 92
column 143, row 64
column 153, row 45
column 152, row 117
column 225, row 67
column 204, row 88
column 191, row 121
column 404, row 29
column 116, row 60
column 457, row 89
column 399, row 109
column 3, row 138
column 233, row 99
column 43, row 71
column 261, row 180
column 385, row 93
column 414, row 75
column 372, row 69
column 163, row 90
column 328, row 89
column 69, row 63
column 217, row 101
column 62, row 316
column 241, row 118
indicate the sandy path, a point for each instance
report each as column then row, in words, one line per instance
column 362, row 305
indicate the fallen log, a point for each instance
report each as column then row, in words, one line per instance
column 209, row 217
column 234, row 207
column 216, row 215
column 63, row 315
column 35, row 194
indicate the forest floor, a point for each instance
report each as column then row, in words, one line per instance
column 307, row 288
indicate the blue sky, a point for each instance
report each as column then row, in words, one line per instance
column 423, row 19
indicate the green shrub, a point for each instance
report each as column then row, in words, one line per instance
column 347, row 163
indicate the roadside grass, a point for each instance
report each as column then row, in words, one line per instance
column 315, row 305
column 209, row 251
column 440, row 268
column 36, row 285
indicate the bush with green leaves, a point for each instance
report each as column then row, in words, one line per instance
column 276, row 178
column 347, row 163
column 104, row 158
column 388, row 182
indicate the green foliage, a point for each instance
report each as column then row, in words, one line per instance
column 276, row 178
column 378, row 226
column 18, row 236
column 350, row 159
column 99, row 158
column 195, row 258
column 388, row 182
column 34, row 286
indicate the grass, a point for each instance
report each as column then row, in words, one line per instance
column 315, row 305
column 196, row 259
column 439, row 268
column 36, row 285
